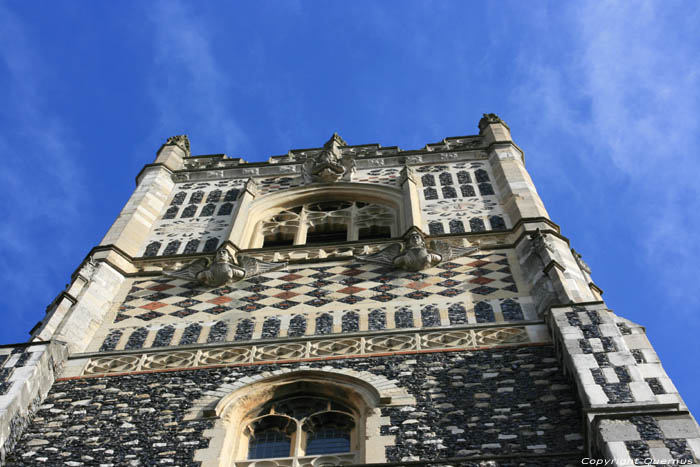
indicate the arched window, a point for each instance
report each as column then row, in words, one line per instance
column 327, row 222
column 300, row 418
column 299, row 428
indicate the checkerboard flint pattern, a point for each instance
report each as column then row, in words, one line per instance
column 322, row 288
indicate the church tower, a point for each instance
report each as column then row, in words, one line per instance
column 338, row 305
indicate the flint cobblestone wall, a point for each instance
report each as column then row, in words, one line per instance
column 489, row 402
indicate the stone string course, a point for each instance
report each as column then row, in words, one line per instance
column 500, row 401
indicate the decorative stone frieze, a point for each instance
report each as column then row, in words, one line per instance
column 309, row 349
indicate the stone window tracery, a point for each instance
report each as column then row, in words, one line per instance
column 291, row 430
column 327, row 221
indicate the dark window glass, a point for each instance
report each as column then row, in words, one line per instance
column 428, row 180
column 327, row 232
column 328, row 441
column 374, row 231
column 279, row 239
column 269, row 444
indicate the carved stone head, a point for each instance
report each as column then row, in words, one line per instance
column 415, row 240
column 223, row 256
column 329, row 165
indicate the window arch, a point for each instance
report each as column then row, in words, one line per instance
column 309, row 215
column 326, row 222
column 304, row 419
column 358, row 394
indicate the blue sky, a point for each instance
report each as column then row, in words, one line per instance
column 602, row 96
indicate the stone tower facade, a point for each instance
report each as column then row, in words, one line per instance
column 339, row 305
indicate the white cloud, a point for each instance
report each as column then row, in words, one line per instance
column 629, row 80
column 189, row 85
column 43, row 185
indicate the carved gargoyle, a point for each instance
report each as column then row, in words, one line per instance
column 329, row 165
column 414, row 255
column 224, row 269
column 181, row 141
